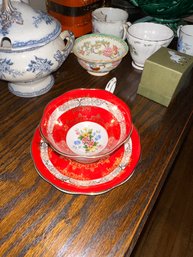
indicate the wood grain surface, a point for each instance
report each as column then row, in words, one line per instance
column 169, row 228
column 39, row 220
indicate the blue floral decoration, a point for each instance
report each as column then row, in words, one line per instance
column 59, row 57
column 42, row 17
column 40, row 66
column 98, row 137
column 7, row 20
column 180, row 44
column 6, row 68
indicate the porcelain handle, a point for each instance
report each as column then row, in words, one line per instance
column 111, row 85
column 69, row 37
column 178, row 30
column 125, row 28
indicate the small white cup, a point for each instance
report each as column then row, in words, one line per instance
column 109, row 20
column 145, row 38
column 185, row 39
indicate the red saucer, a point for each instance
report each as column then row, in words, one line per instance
column 95, row 178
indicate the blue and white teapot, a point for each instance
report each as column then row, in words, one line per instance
column 31, row 48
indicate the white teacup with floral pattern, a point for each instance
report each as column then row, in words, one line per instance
column 99, row 53
column 145, row 38
column 185, row 39
column 109, row 20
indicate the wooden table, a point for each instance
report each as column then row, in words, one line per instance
column 39, row 220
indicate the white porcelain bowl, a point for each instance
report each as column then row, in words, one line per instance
column 145, row 38
column 99, row 53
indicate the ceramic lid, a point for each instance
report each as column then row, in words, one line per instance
column 25, row 27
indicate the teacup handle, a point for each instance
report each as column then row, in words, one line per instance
column 69, row 37
column 111, row 85
column 178, row 30
column 125, row 28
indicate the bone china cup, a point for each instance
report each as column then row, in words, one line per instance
column 108, row 20
column 185, row 39
column 99, row 53
column 86, row 124
column 145, row 38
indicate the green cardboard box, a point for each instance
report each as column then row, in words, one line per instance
column 164, row 74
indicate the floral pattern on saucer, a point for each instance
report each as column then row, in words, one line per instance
column 78, row 178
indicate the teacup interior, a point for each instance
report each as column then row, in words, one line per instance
column 100, row 48
column 188, row 30
column 150, row 31
column 109, row 14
